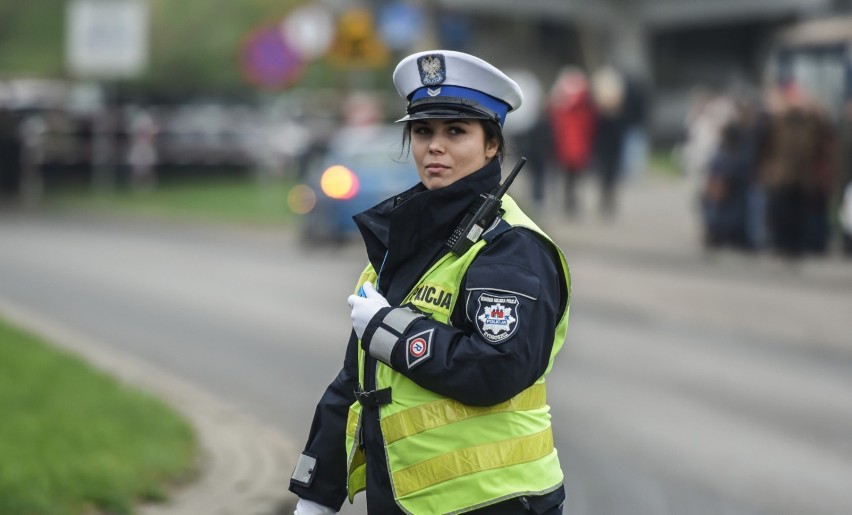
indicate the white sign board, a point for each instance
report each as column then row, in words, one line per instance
column 107, row 38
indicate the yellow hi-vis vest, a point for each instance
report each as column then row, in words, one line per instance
column 444, row 456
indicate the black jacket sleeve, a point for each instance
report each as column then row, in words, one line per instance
column 327, row 441
column 502, row 330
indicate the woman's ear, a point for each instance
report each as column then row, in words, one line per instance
column 491, row 147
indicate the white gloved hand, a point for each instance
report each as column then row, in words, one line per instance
column 365, row 308
column 306, row 507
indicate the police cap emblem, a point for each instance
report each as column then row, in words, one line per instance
column 433, row 70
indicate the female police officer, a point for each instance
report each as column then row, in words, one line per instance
column 440, row 406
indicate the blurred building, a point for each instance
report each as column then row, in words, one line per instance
column 666, row 48
column 672, row 46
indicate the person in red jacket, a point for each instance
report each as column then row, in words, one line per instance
column 573, row 118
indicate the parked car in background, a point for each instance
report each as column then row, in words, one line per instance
column 360, row 167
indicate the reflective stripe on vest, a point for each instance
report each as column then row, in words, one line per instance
column 474, row 459
column 447, row 411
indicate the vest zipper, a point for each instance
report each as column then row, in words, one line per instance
column 369, row 362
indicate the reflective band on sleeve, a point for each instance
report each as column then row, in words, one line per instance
column 304, row 472
column 447, row 411
column 472, row 460
column 381, row 345
column 400, row 318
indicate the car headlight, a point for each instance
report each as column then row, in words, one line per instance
column 339, row 182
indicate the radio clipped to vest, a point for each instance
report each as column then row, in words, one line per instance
column 481, row 215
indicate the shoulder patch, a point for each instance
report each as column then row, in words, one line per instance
column 418, row 348
column 497, row 316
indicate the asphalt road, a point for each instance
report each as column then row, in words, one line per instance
column 686, row 386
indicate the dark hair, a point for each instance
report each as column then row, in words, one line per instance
column 491, row 128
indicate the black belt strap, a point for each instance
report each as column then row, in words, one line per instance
column 373, row 398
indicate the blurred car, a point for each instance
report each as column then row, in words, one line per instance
column 360, row 167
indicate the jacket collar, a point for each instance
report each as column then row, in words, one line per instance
column 414, row 225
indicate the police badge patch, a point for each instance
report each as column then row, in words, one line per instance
column 433, row 71
column 418, row 348
column 498, row 316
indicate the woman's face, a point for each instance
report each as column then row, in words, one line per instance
column 445, row 150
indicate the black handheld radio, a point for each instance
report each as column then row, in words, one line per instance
column 481, row 215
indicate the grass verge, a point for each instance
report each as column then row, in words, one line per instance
column 73, row 440
column 217, row 200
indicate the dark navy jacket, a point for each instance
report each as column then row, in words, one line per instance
column 404, row 236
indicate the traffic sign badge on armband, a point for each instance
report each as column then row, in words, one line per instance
column 418, row 348
column 497, row 318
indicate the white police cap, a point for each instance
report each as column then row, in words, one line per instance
column 450, row 84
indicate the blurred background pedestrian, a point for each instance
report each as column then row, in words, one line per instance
column 796, row 170
column 707, row 113
column 142, row 151
column 725, row 195
column 608, row 90
column 635, row 112
column 573, row 121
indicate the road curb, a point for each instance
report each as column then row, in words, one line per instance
column 244, row 465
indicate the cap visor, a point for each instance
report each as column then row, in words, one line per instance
column 444, row 114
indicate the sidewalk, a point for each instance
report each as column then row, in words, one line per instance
column 654, row 214
column 245, row 466
column 658, row 219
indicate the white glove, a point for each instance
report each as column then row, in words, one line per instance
column 306, row 507
column 365, row 308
